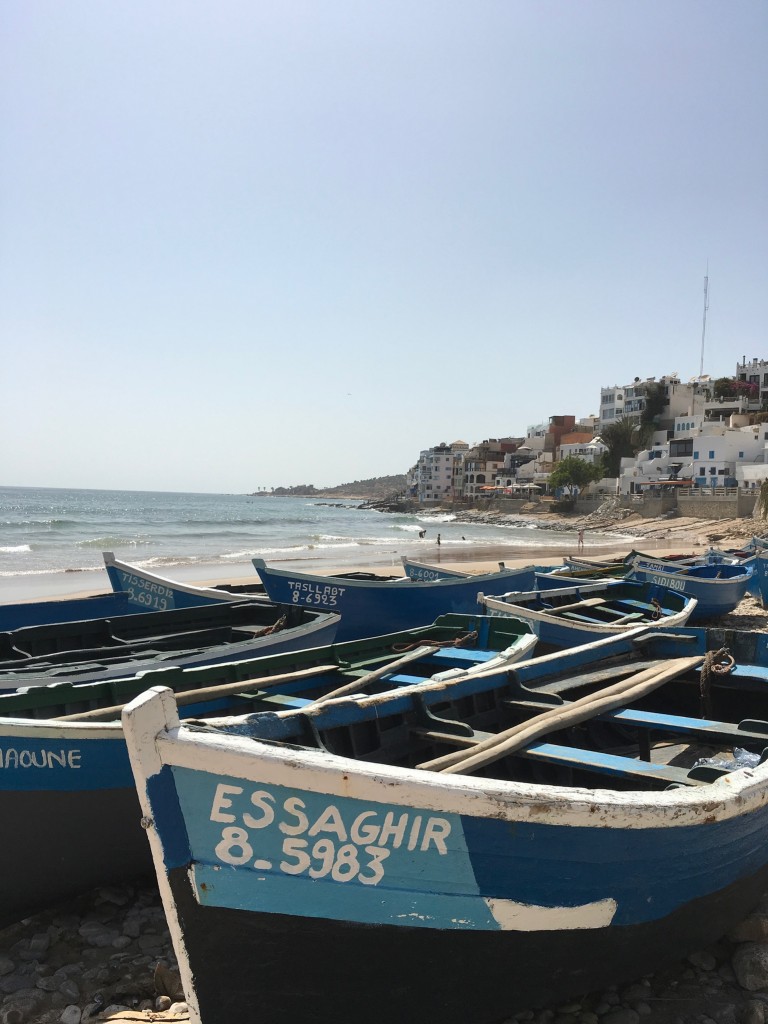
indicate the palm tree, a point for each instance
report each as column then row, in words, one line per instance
column 623, row 439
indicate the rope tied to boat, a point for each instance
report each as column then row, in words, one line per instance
column 466, row 640
column 719, row 663
column 281, row 623
column 657, row 609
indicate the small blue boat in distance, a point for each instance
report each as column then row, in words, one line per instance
column 371, row 607
column 717, row 588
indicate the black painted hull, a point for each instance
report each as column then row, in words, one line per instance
column 58, row 844
column 282, row 969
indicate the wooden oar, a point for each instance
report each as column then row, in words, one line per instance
column 371, row 677
column 207, row 693
column 560, row 717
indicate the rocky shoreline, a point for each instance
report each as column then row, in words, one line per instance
column 107, row 956
column 610, row 517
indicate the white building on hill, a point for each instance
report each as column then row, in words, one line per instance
column 701, row 454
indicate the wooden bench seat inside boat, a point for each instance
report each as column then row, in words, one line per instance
column 599, row 762
column 586, row 602
column 707, row 730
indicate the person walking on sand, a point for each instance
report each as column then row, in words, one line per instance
column 438, row 540
column 581, row 540
column 422, row 533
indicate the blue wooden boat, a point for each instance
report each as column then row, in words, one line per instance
column 112, row 648
column 144, row 590
column 459, row 851
column 133, row 591
column 564, row 612
column 373, row 606
column 66, row 790
column 428, row 571
column 717, row 588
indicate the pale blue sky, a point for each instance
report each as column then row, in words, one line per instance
column 250, row 244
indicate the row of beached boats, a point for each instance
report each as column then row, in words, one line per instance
column 437, row 793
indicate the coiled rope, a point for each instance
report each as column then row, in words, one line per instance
column 715, row 663
column 466, row 640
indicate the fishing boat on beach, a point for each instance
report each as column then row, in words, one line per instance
column 564, row 612
column 66, row 790
column 429, row 571
column 717, row 587
column 142, row 589
column 743, row 557
column 133, row 591
column 112, row 648
column 370, row 606
column 464, row 850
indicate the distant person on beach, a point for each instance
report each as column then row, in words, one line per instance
column 438, row 540
column 581, row 540
column 422, row 533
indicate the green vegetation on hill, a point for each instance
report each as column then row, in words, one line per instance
column 376, row 487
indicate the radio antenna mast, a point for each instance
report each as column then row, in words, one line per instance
column 704, row 323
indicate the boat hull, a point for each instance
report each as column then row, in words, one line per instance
column 624, row 604
column 343, row 973
column 318, row 631
column 370, row 608
column 717, row 589
column 404, row 894
column 62, row 844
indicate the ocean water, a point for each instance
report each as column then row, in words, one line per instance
column 51, row 532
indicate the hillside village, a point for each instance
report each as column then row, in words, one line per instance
column 654, row 442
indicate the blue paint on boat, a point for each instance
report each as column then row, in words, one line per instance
column 271, row 849
column 370, row 608
column 62, row 764
column 145, row 591
column 717, row 588
column 44, row 613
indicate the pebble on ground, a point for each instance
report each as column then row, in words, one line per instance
column 107, row 956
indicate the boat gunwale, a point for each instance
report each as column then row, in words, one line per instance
column 260, row 564
column 258, row 761
column 499, row 606
column 210, row 593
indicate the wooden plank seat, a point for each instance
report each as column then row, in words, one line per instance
column 605, row 616
column 739, row 673
column 633, row 605
column 400, row 679
column 618, row 766
column 586, row 602
column 707, row 730
column 577, row 680
column 459, row 657
column 629, row 617
column 586, row 760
